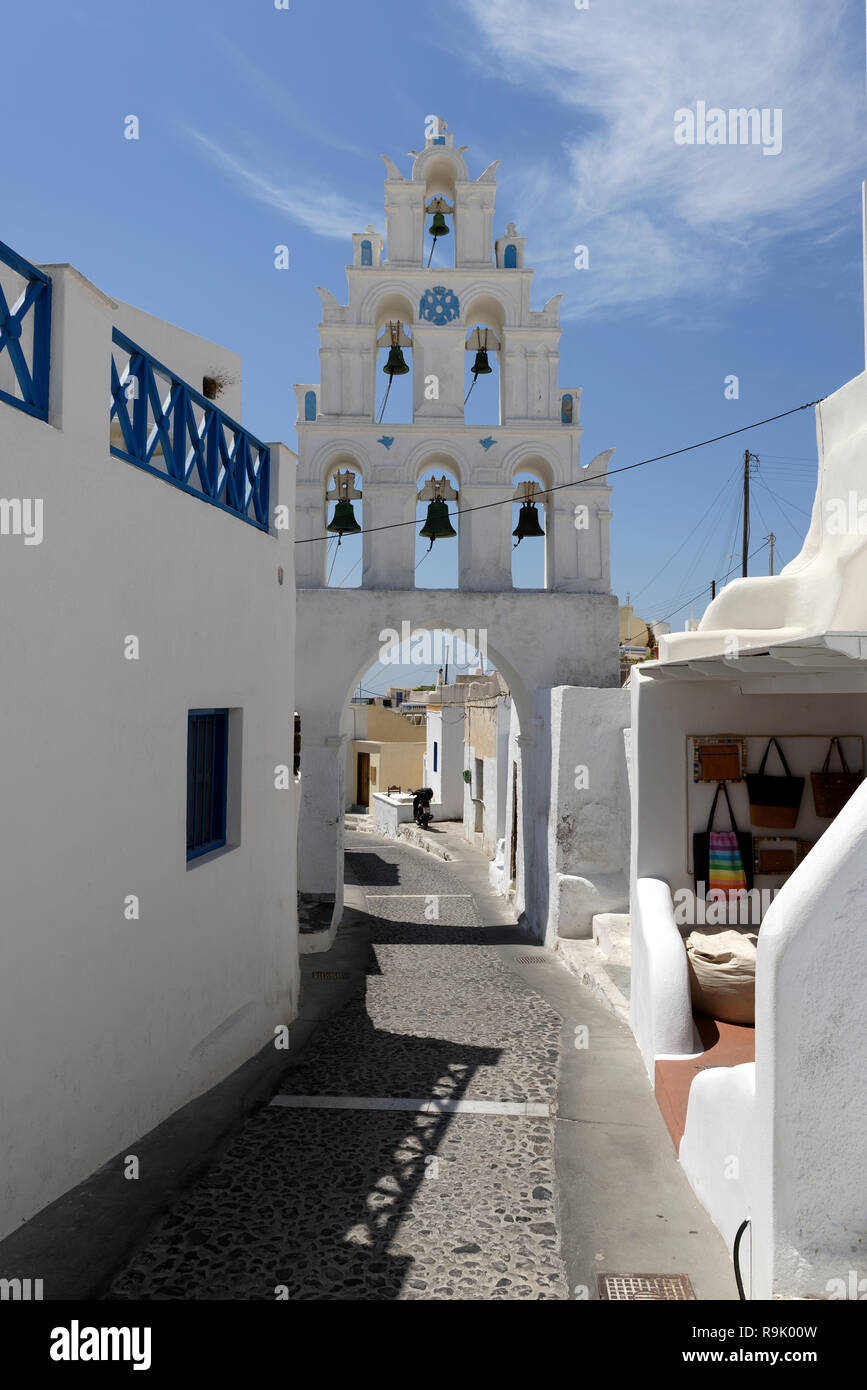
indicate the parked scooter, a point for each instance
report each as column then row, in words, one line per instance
column 421, row 811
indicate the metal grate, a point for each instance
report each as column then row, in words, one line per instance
column 530, row 960
column 330, row 974
column 644, row 1287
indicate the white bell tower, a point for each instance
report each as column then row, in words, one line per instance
column 565, row 633
column 439, row 310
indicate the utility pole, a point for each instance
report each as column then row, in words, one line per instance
column 771, row 538
column 748, row 459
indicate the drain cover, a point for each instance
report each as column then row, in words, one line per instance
column 330, row 974
column 530, row 960
column 644, row 1287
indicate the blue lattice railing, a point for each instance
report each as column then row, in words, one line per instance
column 25, row 333
column 162, row 424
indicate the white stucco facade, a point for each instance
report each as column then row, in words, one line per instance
column 444, row 760
column 131, row 979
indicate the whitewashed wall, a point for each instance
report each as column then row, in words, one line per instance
column 588, row 819
column 108, row 1025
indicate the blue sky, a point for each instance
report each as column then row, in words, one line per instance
column 261, row 126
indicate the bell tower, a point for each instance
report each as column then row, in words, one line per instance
column 436, row 315
column 445, row 296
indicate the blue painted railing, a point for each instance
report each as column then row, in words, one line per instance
column 25, row 333
column 162, row 424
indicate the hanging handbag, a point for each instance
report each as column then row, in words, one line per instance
column 722, row 859
column 774, row 801
column 831, row 790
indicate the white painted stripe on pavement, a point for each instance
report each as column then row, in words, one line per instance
column 424, row 1107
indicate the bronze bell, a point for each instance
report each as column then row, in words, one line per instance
column 343, row 521
column 437, row 525
column 396, row 364
column 481, row 366
column 439, row 226
column 528, row 522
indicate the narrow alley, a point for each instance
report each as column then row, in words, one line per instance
column 440, row 1136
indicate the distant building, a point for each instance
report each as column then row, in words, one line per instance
column 638, row 639
column 385, row 749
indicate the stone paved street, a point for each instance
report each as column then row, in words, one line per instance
column 323, row 1203
column 372, row 1204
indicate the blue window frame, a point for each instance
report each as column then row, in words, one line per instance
column 510, row 257
column 310, row 405
column 366, row 252
column 207, row 748
column 436, row 749
column 566, row 409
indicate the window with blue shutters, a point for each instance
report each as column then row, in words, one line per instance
column 310, row 405
column 207, row 749
column 510, row 257
column 366, row 253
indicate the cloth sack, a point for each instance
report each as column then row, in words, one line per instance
column 722, row 973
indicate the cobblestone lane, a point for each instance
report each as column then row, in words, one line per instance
column 310, row 1203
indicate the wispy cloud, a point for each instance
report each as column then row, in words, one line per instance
column 662, row 219
column 278, row 96
column 318, row 208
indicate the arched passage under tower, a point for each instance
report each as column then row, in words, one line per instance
column 537, row 641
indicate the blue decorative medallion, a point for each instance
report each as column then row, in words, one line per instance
column 439, row 305
column 387, row 440
column 486, row 443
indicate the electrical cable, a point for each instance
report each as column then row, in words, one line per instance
column 349, row 572
column 649, row 631
column 785, row 501
column 610, row 473
column 333, row 562
column 695, row 529
column 736, row 1259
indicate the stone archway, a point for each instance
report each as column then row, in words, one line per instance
column 536, row 640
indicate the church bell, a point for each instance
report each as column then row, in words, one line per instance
column 437, row 525
column 343, row 521
column 528, row 523
column 396, row 364
column 481, row 366
column 439, row 226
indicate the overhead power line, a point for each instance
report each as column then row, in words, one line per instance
column 558, row 487
column 702, row 592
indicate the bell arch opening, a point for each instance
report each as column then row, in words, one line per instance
column 531, row 525
column 437, row 562
column 393, row 360
column 483, row 380
column 344, row 521
column 440, row 213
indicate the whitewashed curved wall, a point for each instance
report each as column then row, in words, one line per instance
column 811, row 1064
